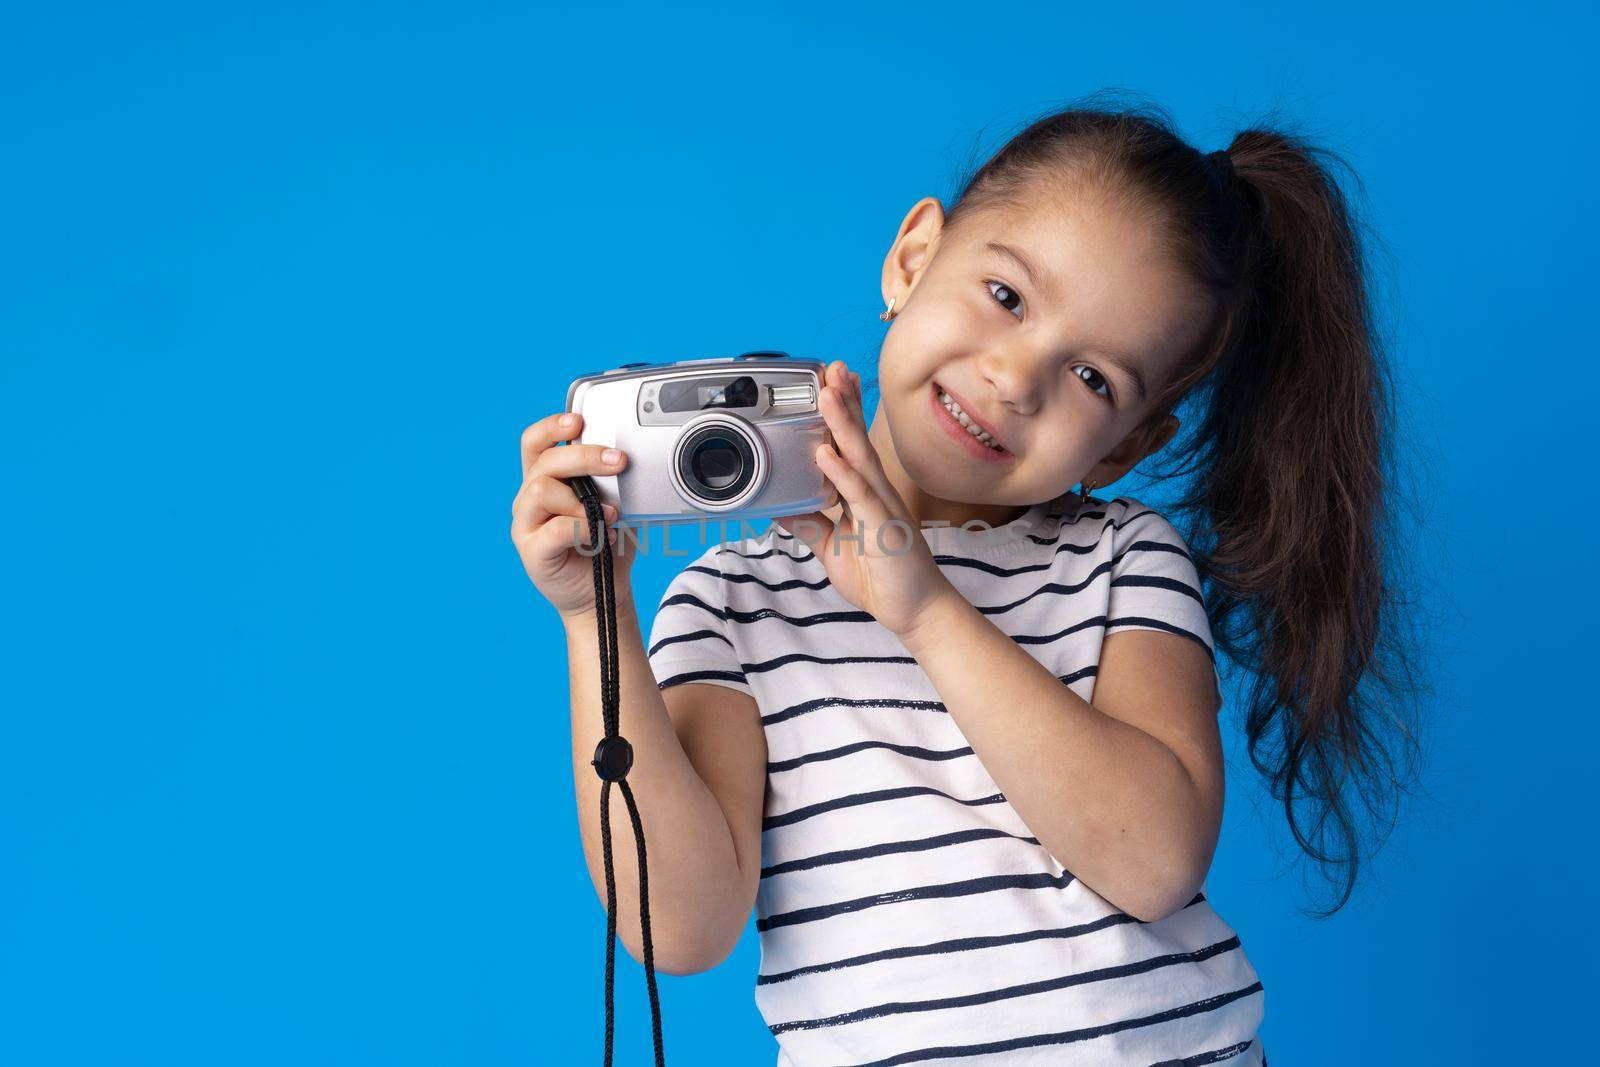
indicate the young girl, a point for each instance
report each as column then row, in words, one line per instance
column 956, row 738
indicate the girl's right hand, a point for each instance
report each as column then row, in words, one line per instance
column 548, row 521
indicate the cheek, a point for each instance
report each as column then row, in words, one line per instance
column 1082, row 427
column 930, row 336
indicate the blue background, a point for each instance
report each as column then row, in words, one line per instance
column 284, row 769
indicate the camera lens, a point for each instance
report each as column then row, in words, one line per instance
column 716, row 463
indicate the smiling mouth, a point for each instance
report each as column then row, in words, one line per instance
column 977, row 432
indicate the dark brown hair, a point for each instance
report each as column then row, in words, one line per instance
column 1287, row 421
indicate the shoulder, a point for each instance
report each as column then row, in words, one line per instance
column 1154, row 582
column 1147, row 549
column 1122, row 524
column 1133, row 522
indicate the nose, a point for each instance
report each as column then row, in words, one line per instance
column 1016, row 380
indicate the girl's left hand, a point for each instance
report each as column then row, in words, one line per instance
column 879, row 560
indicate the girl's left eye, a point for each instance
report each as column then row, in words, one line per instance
column 1098, row 377
column 991, row 286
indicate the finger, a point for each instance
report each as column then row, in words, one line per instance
column 556, row 538
column 852, row 441
column 839, row 376
column 573, row 460
column 550, row 542
column 842, row 385
column 544, row 497
column 859, row 496
column 851, row 386
column 842, row 412
column 541, row 498
column 544, row 433
column 576, row 533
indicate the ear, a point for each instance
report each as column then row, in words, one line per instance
column 1146, row 439
column 912, row 250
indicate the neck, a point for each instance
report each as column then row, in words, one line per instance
column 925, row 508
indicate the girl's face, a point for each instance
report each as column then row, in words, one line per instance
column 1057, row 350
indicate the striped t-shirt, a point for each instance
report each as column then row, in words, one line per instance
column 906, row 913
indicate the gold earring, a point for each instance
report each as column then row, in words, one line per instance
column 888, row 313
column 1083, row 492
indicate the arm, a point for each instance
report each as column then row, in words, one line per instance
column 1125, row 792
column 699, row 777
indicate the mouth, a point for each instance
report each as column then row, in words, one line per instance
column 974, row 436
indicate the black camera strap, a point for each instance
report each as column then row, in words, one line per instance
column 612, row 758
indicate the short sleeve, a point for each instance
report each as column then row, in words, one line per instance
column 1154, row 583
column 689, row 639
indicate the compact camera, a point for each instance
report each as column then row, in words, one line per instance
column 708, row 437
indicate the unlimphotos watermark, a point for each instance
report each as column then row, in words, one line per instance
column 806, row 530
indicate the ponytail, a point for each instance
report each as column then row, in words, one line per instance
column 1292, row 444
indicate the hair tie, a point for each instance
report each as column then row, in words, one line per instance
column 1221, row 164
column 1226, row 192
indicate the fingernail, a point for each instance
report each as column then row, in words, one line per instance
column 568, row 420
column 611, row 512
column 611, row 455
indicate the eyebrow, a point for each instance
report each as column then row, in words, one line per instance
column 1038, row 279
column 1124, row 362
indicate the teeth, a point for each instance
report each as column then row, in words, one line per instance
column 961, row 417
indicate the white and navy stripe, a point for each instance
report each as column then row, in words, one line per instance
column 906, row 913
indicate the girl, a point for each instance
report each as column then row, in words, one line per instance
column 956, row 738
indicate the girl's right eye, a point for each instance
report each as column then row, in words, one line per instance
column 990, row 286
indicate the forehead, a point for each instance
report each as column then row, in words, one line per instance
column 1102, row 272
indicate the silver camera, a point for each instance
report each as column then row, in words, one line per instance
column 708, row 437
